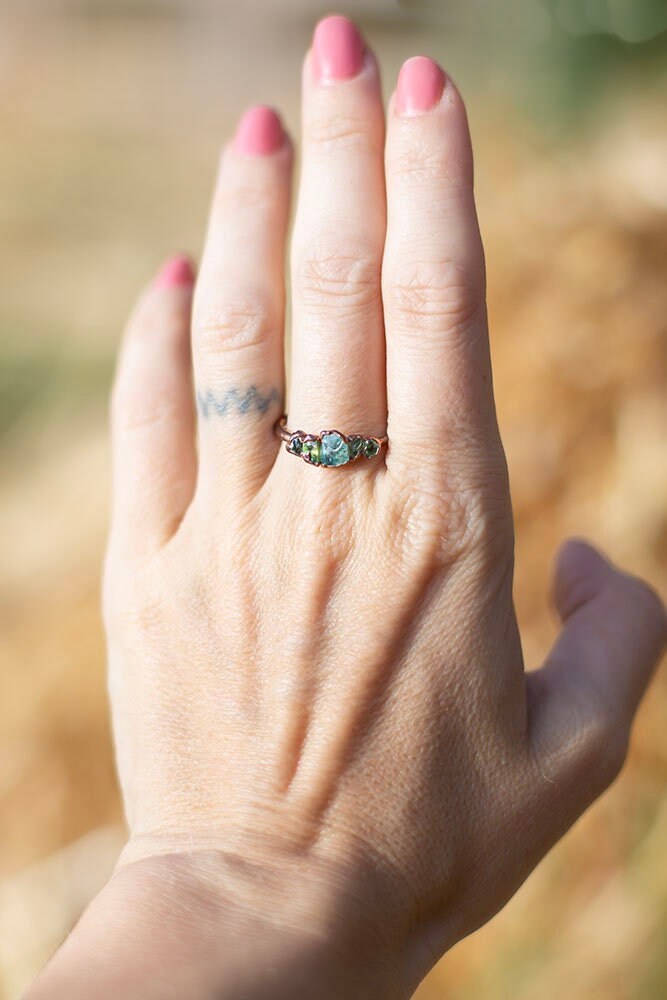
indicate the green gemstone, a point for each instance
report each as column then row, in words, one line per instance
column 313, row 450
column 356, row 446
column 295, row 445
column 334, row 450
column 371, row 448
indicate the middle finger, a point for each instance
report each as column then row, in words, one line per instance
column 338, row 357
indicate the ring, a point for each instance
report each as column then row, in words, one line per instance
column 329, row 449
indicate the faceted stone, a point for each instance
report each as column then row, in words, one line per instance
column 295, row 445
column 371, row 448
column 334, row 450
column 356, row 446
column 312, row 449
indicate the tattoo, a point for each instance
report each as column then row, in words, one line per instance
column 241, row 401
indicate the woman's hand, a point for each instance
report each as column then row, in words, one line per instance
column 333, row 763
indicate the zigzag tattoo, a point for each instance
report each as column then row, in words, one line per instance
column 249, row 400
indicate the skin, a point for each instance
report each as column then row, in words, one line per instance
column 333, row 763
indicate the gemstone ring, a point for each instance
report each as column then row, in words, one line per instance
column 329, row 449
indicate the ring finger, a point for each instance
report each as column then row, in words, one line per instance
column 338, row 366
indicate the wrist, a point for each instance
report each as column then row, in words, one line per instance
column 204, row 924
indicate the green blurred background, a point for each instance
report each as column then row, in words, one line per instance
column 111, row 117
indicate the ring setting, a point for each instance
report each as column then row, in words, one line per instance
column 329, row 449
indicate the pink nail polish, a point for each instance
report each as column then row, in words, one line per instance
column 421, row 83
column 338, row 50
column 260, row 132
column 176, row 271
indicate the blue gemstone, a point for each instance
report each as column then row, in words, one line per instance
column 334, row 450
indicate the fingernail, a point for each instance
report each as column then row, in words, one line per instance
column 176, row 271
column 421, row 83
column 338, row 50
column 260, row 132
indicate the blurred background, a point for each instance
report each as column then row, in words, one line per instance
column 111, row 116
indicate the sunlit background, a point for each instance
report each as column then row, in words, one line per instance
column 111, row 115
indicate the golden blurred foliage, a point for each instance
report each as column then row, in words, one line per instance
column 111, row 114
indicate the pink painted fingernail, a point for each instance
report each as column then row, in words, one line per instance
column 421, row 83
column 176, row 271
column 260, row 132
column 338, row 50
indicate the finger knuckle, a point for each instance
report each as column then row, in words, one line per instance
column 250, row 193
column 432, row 166
column 342, row 128
column 431, row 525
column 348, row 279
column 490, row 525
column 234, row 322
column 434, row 297
column 451, row 518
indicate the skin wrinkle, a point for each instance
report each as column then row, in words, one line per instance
column 239, row 327
column 341, row 136
column 340, row 284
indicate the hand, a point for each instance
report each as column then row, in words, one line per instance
column 330, row 754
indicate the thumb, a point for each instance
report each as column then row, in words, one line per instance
column 584, row 698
